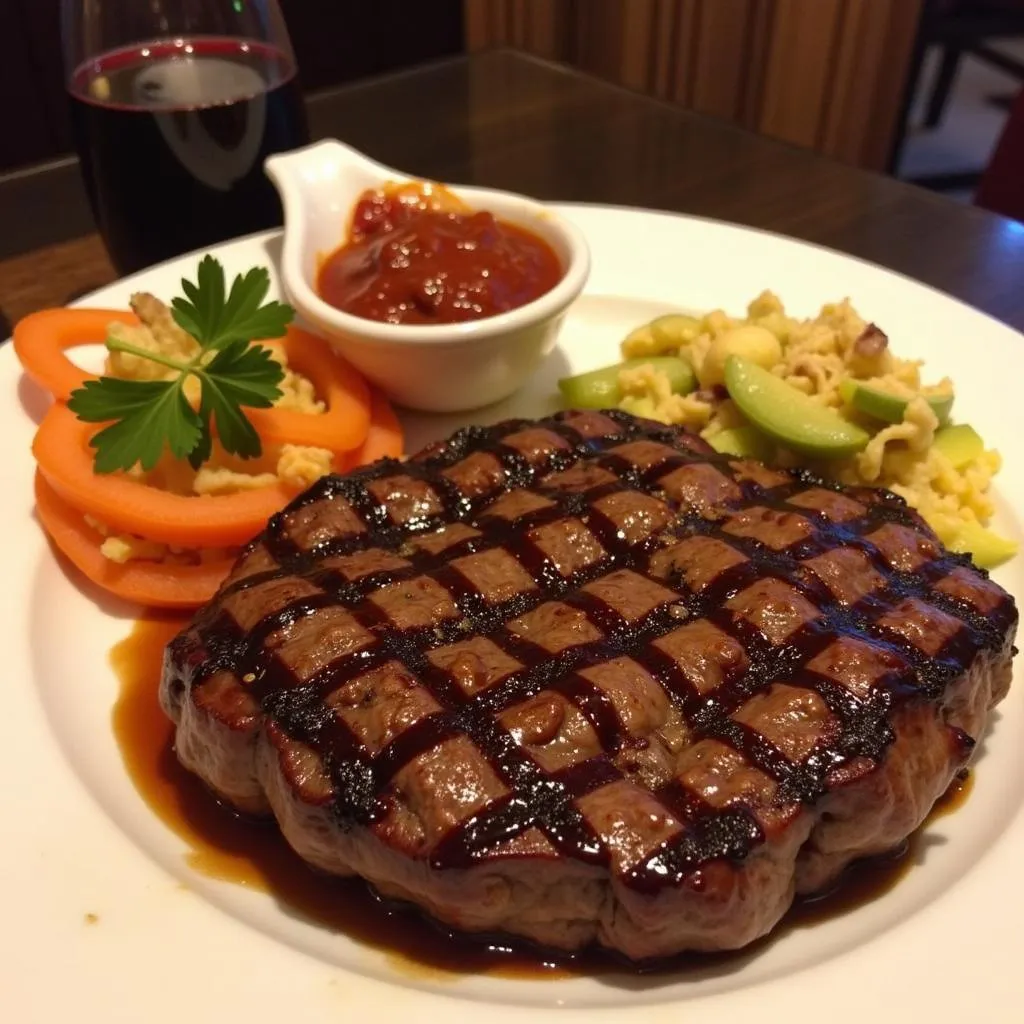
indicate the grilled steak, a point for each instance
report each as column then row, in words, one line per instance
column 586, row 681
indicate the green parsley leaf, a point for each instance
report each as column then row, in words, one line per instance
column 199, row 312
column 234, row 431
column 238, row 375
column 148, row 417
column 110, row 398
column 204, row 446
column 249, row 373
column 215, row 321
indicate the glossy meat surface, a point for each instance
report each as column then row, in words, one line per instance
column 587, row 681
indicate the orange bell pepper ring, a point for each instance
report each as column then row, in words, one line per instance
column 153, row 584
column 61, row 449
column 346, row 420
column 42, row 340
column 384, row 439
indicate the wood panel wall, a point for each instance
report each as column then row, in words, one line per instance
column 826, row 74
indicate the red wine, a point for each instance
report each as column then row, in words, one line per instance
column 172, row 137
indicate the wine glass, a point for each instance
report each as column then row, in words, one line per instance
column 175, row 104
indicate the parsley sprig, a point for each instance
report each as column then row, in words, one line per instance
column 151, row 416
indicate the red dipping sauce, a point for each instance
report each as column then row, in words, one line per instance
column 416, row 254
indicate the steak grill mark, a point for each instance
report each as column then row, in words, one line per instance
column 547, row 800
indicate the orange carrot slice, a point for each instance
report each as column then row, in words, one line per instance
column 154, row 584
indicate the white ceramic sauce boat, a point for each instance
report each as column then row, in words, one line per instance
column 432, row 367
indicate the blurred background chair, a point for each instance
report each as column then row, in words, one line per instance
column 970, row 26
column 958, row 29
column 1001, row 188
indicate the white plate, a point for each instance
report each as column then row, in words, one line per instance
column 173, row 945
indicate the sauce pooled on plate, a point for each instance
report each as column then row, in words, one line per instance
column 254, row 854
column 416, row 254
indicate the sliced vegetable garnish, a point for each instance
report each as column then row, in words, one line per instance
column 745, row 442
column 384, row 440
column 218, row 319
column 789, row 416
column 100, row 436
column 599, row 389
column 889, row 408
column 41, row 341
column 154, row 584
column 674, row 329
column 640, row 405
column 346, row 395
column 960, row 443
column 61, row 448
column 147, row 417
column 987, row 549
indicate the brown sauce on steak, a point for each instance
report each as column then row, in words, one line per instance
column 867, row 880
column 253, row 853
column 775, row 619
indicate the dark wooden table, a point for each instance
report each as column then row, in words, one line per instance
column 506, row 120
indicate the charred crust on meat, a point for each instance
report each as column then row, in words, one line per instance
column 606, row 562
